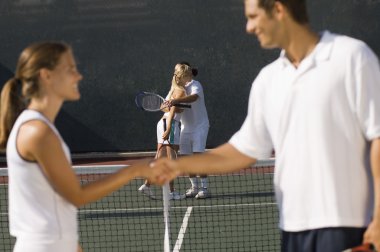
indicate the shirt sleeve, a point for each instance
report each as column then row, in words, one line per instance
column 253, row 138
column 196, row 88
column 367, row 102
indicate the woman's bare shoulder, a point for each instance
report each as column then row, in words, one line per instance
column 178, row 92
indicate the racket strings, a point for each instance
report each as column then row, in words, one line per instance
column 151, row 102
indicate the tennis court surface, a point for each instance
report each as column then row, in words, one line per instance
column 240, row 215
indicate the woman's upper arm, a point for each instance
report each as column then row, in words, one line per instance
column 178, row 94
column 38, row 141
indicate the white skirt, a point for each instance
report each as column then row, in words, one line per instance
column 175, row 132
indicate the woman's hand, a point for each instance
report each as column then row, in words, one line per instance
column 166, row 134
column 168, row 167
column 159, row 175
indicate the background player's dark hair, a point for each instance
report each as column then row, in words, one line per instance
column 193, row 70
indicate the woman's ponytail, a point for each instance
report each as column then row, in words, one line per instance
column 11, row 105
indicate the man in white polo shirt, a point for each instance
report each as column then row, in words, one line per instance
column 318, row 107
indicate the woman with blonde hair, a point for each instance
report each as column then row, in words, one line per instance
column 172, row 120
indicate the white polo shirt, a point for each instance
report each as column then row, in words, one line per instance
column 319, row 118
column 196, row 118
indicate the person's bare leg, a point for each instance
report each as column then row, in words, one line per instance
column 145, row 188
column 174, row 195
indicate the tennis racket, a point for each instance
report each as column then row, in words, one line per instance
column 362, row 248
column 153, row 102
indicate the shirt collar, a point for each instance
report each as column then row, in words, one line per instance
column 321, row 52
column 188, row 84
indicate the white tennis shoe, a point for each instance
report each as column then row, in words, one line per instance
column 147, row 191
column 176, row 196
column 191, row 192
column 202, row 194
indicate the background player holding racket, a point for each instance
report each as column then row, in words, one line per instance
column 44, row 192
column 168, row 133
column 318, row 107
column 195, row 126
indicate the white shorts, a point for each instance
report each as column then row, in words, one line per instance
column 175, row 132
column 193, row 142
column 32, row 245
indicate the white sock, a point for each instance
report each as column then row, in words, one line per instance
column 194, row 182
column 204, row 183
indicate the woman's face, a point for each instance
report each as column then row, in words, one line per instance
column 65, row 78
column 182, row 80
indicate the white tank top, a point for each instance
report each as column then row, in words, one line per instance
column 36, row 211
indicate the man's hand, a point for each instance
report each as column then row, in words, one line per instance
column 372, row 235
column 168, row 167
column 170, row 103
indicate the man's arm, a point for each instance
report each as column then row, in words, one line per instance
column 372, row 235
column 223, row 159
column 185, row 99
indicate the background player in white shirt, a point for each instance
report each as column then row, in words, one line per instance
column 318, row 107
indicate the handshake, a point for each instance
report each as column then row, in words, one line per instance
column 157, row 171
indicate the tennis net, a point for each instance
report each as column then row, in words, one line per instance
column 239, row 215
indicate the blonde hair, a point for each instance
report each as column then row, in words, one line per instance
column 18, row 91
column 180, row 70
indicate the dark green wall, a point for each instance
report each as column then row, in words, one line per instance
column 124, row 46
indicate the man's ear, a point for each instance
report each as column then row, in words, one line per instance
column 279, row 10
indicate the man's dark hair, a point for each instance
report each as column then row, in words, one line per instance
column 297, row 8
column 194, row 71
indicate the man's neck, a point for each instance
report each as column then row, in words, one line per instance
column 301, row 42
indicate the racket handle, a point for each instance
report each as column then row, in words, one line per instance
column 164, row 122
column 181, row 105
